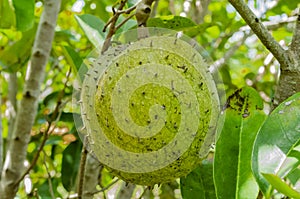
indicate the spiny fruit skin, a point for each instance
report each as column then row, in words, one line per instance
column 155, row 91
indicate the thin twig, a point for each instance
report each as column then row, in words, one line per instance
column 49, row 176
column 220, row 62
column 105, row 188
column 112, row 26
column 37, row 155
column 55, row 117
column 124, row 21
column 261, row 31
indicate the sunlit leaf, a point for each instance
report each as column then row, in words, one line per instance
column 17, row 54
column 92, row 27
column 281, row 186
column 276, row 149
column 232, row 164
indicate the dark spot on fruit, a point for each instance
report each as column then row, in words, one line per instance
column 200, row 84
column 140, row 63
column 175, row 126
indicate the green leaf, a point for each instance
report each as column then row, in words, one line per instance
column 171, row 22
column 7, row 15
column 64, row 36
column 199, row 183
column 70, row 164
column 232, row 164
column 92, row 27
column 75, row 61
column 281, row 186
column 14, row 56
column 44, row 189
column 24, row 14
column 276, row 149
column 294, row 178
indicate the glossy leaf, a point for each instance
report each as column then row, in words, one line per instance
column 232, row 164
column 281, row 186
column 24, row 14
column 277, row 149
column 70, row 164
column 92, row 27
column 199, row 183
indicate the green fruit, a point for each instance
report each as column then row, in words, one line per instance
column 150, row 109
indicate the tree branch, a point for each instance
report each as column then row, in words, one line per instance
column 295, row 45
column 51, row 125
column 16, row 154
column 289, row 82
column 262, row 33
column 11, row 104
column 112, row 29
column 91, row 179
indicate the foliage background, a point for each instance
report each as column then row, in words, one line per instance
column 229, row 46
